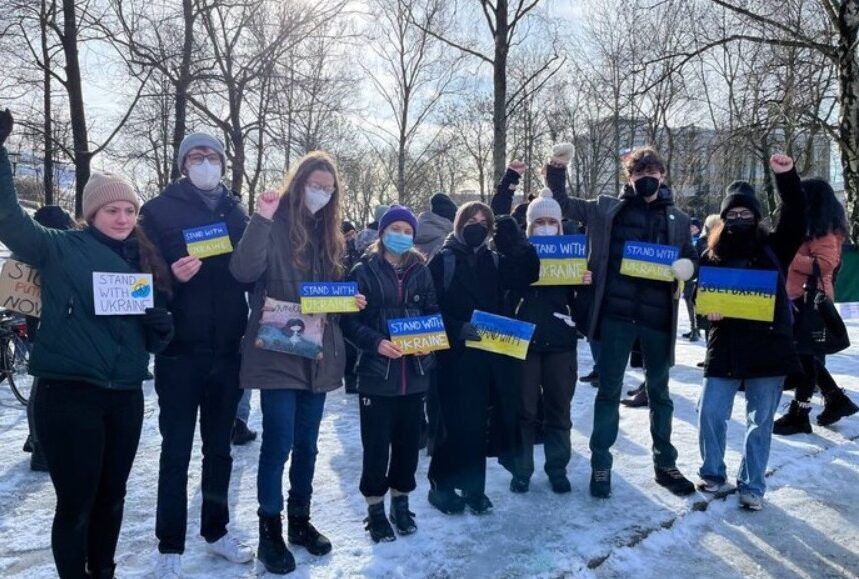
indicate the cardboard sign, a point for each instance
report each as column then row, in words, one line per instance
column 747, row 294
column 501, row 335
column 563, row 259
column 648, row 260
column 329, row 298
column 122, row 294
column 848, row 310
column 283, row 328
column 423, row 334
column 21, row 289
column 208, row 240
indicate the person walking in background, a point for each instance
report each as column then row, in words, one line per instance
column 753, row 353
column 435, row 225
column 198, row 374
column 391, row 385
column 818, row 258
column 292, row 237
column 370, row 233
column 88, row 407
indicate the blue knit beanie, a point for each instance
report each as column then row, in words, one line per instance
column 398, row 213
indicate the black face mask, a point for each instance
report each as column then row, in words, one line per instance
column 475, row 234
column 740, row 225
column 645, row 186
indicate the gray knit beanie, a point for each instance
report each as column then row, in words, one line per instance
column 200, row 140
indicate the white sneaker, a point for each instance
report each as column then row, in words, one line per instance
column 706, row 485
column 751, row 502
column 231, row 549
column 168, row 566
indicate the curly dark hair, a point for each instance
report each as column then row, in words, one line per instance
column 642, row 159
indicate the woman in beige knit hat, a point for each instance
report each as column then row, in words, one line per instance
column 89, row 405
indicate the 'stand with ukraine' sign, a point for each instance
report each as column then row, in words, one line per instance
column 209, row 240
column 501, row 335
column 748, row 294
column 329, row 298
column 422, row 334
column 648, row 260
column 563, row 259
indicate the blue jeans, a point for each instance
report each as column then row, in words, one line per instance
column 243, row 412
column 290, row 423
column 717, row 401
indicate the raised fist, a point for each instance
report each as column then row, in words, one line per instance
column 6, row 123
column 781, row 163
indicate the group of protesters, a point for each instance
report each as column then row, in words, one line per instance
column 209, row 328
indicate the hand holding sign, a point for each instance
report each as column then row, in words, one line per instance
column 389, row 350
column 780, row 163
column 267, row 204
column 361, row 301
column 185, row 268
column 715, row 317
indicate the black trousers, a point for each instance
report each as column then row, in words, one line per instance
column 549, row 377
column 814, row 373
column 186, row 385
column 390, row 434
column 89, row 436
column 478, row 414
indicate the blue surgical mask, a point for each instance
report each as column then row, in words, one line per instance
column 397, row 243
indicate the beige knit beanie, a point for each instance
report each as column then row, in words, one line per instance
column 104, row 188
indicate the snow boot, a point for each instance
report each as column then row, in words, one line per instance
column 378, row 525
column 272, row 553
column 835, row 407
column 401, row 517
column 592, row 378
column 519, row 485
column 640, row 399
column 242, row 434
column 104, row 573
column 795, row 421
column 560, row 484
column 600, row 486
column 674, row 481
column 300, row 531
column 478, row 503
column 447, row 501
column 640, row 388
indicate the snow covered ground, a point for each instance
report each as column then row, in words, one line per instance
column 808, row 528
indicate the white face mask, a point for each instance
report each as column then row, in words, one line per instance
column 205, row 176
column 315, row 198
column 545, row 230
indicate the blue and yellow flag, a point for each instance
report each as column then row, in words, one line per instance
column 501, row 335
column 419, row 334
column 747, row 294
column 329, row 298
column 648, row 260
column 563, row 259
column 208, row 240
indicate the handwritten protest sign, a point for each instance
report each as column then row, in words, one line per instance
column 21, row 289
column 208, row 240
column 563, row 259
column 328, row 298
column 283, row 328
column 420, row 334
column 648, row 260
column 501, row 335
column 120, row 294
column 747, row 294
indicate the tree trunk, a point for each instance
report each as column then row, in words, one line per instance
column 499, row 81
column 48, row 178
column 182, row 84
column 77, row 113
column 848, row 122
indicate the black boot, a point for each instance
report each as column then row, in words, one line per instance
column 674, row 481
column 637, row 389
column 794, row 422
column 378, row 525
column 272, row 552
column 302, row 532
column 835, row 407
column 694, row 335
column 640, row 399
column 446, row 500
column 519, row 485
column 401, row 517
column 104, row 573
column 592, row 378
column 242, row 434
column 478, row 503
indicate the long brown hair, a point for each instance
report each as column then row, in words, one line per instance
column 300, row 219
column 152, row 262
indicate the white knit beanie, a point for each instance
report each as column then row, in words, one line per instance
column 543, row 206
column 104, row 188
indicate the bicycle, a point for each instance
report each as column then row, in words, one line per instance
column 15, row 355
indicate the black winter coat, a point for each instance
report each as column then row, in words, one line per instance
column 390, row 295
column 749, row 349
column 538, row 305
column 210, row 311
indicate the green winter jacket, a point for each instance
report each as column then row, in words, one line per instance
column 73, row 343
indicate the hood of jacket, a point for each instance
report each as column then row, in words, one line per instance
column 432, row 227
column 664, row 197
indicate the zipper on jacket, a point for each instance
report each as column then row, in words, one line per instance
column 400, row 282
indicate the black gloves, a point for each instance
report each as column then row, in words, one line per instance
column 158, row 320
column 507, row 234
column 6, row 123
column 469, row 333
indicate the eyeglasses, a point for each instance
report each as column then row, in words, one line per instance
column 196, row 160
column 739, row 214
column 328, row 190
